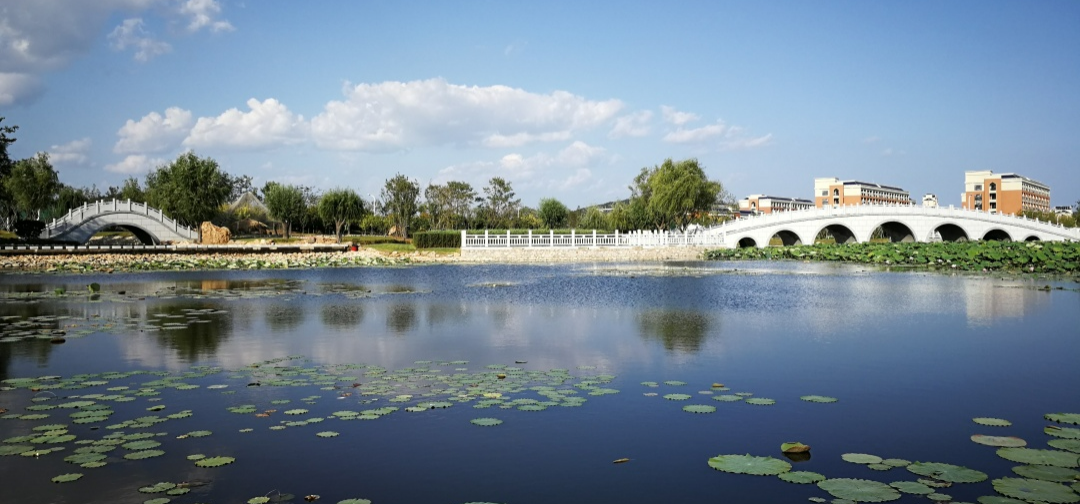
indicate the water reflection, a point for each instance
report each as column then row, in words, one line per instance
column 676, row 329
column 401, row 317
column 189, row 335
column 283, row 317
column 341, row 315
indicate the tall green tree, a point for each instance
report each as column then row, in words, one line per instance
column 131, row 190
column 499, row 203
column 286, row 204
column 190, row 189
column 341, row 206
column 594, row 219
column 401, row 200
column 674, row 193
column 450, row 205
column 33, row 185
column 552, row 213
column 7, row 206
column 73, row 197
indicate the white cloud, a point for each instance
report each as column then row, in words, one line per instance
column 724, row 136
column 632, row 125
column 696, row 135
column 74, row 152
column 132, row 34
column 203, row 14
column 135, row 165
column 154, row 132
column 392, row 116
column 268, row 124
column 677, row 118
column 539, row 170
column 747, row 143
column 18, row 88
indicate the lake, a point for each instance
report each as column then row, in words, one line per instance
column 365, row 383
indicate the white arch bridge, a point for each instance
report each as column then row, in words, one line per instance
column 857, row 224
column 148, row 224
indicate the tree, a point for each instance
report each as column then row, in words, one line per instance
column 7, row 207
column 131, row 191
column 450, row 205
column 239, row 185
column 552, row 213
column 675, row 192
column 73, row 197
column 286, row 204
column 33, row 185
column 341, row 206
column 190, row 189
column 593, row 219
column 500, row 204
column 401, row 200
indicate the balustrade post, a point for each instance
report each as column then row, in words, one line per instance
column 507, row 238
column 530, row 239
column 463, row 238
column 616, row 237
column 551, row 237
column 485, row 238
column 594, row 238
column 573, row 242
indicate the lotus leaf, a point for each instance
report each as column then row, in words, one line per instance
column 818, row 500
column 676, row 397
column 934, row 483
column 749, row 464
column 158, row 487
column 93, row 465
column 818, row 399
column 760, row 401
column 486, row 422
column 794, row 447
column 65, row 478
column 82, row 458
column 1047, row 473
column 650, row 384
column 895, row 462
column 859, row 490
column 997, row 499
column 354, row 501
column 861, row 458
column 992, row 422
column 1053, row 430
column 1039, row 457
column 880, row 467
column 1032, row 490
column 327, row 434
column 675, row 383
column 699, row 408
column 939, row 497
column 196, row 456
column 214, row 461
column 144, row 454
column 947, row 472
column 141, row 445
column 1000, row 441
column 258, row 500
column 1072, row 445
column 297, row 411
column 911, row 487
column 177, row 491
column 801, row 477
column 1069, row 418
column 727, row 398
column 532, row 407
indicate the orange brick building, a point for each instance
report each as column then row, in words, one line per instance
column 831, row 191
column 1005, row 193
column 762, row 204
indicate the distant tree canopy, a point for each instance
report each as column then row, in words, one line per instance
column 450, row 205
column 341, row 207
column 33, row 185
column 552, row 213
column 286, row 204
column 401, row 200
column 190, row 189
column 671, row 195
column 499, row 208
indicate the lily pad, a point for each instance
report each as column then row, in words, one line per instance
column 1069, row 418
column 158, row 487
column 327, row 434
column 65, row 478
column 859, row 490
column 1000, row 441
column 801, row 477
column 144, row 444
column 760, row 401
column 699, row 408
column 727, row 398
column 991, row 422
column 1048, row 473
column 911, row 487
column 486, row 422
column 861, row 458
column 1053, row 430
column 749, row 464
column 895, row 462
column 677, row 397
column 1040, row 457
column 794, row 447
column 214, row 461
column 1032, row 490
column 947, row 472
column 144, row 454
column 818, row 399
column 354, row 501
column 1072, row 445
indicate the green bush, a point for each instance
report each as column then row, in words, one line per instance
column 437, row 239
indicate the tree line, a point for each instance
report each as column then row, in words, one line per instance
column 194, row 189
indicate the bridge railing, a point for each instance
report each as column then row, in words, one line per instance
column 76, row 216
column 575, row 239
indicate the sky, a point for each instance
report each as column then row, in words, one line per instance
column 562, row 99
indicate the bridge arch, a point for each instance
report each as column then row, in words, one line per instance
column 787, row 238
column 1032, row 238
column 997, row 234
column 747, row 242
column 894, row 231
column 839, row 233
column 148, row 224
column 951, row 233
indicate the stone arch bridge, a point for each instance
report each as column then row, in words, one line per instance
column 857, row 224
column 148, row 224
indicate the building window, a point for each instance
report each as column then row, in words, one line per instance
column 993, row 187
column 835, row 192
column 978, row 187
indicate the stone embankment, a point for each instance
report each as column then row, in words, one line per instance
column 90, row 263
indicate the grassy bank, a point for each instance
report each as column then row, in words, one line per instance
column 1026, row 257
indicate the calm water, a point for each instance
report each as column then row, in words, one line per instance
column 911, row 357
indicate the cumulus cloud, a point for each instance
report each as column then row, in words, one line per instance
column 203, row 14
column 539, row 170
column 74, row 152
column 18, row 88
column 268, row 124
column 135, row 164
column 677, row 118
column 132, row 34
column 154, row 132
column 392, row 116
column 719, row 134
column 632, row 125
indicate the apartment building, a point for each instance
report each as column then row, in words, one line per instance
column 1005, row 193
column 762, row 204
column 831, row 191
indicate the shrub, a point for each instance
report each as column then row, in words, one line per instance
column 29, row 228
column 437, row 239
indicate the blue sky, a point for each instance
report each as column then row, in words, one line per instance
column 563, row 99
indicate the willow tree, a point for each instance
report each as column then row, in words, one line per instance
column 340, row 206
column 674, row 193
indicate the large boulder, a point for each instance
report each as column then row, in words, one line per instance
column 213, row 235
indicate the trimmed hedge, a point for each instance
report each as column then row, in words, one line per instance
column 437, row 239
